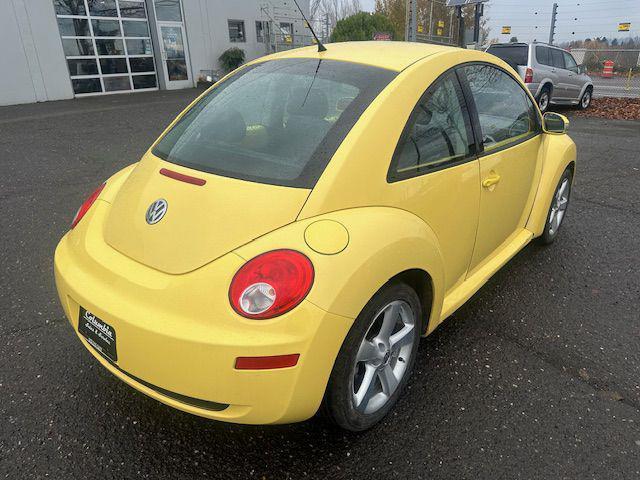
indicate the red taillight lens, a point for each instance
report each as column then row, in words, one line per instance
column 271, row 284
column 528, row 76
column 84, row 208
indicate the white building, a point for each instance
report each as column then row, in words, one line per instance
column 60, row 49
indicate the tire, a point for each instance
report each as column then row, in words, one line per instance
column 362, row 357
column 544, row 99
column 558, row 208
column 585, row 100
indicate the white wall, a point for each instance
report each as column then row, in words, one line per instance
column 208, row 32
column 35, row 69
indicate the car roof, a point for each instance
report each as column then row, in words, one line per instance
column 390, row 55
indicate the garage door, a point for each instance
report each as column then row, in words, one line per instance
column 107, row 45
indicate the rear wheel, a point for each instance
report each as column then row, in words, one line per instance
column 544, row 99
column 585, row 101
column 558, row 209
column 376, row 359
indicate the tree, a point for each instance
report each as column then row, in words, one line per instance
column 360, row 26
column 326, row 13
column 395, row 11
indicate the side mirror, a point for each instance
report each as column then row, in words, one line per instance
column 554, row 123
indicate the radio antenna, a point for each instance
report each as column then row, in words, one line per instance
column 321, row 47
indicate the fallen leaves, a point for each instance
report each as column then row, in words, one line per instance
column 612, row 108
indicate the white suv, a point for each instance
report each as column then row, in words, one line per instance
column 551, row 73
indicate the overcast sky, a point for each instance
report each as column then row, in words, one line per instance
column 577, row 20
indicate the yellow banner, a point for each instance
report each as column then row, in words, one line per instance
column 624, row 27
column 506, row 30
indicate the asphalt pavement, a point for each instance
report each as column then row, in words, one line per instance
column 536, row 377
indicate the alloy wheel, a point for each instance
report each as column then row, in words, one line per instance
column 559, row 206
column 543, row 103
column 586, row 99
column 383, row 357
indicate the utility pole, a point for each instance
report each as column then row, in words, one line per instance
column 411, row 21
column 431, row 22
column 476, row 24
column 552, row 30
column 461, row 43
column 326, row 23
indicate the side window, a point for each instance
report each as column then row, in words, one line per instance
column 557, row 57
column 438, row 133
column 505, row 112
column 570, row 63
column 542, row 55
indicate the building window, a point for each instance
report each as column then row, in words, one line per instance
column 236, row 31
column 262, row 31
column 286, row 30
column 107, row 45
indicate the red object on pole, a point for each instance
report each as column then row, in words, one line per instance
column 607, row 71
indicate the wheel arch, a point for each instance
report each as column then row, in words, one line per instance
column 385, row 244
column 546, row 83
column 559, row 153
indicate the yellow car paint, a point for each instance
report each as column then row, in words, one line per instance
column 165, row 289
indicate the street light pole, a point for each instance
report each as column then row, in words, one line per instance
column 552, row 30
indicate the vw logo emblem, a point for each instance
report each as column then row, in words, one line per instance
column 156, row 211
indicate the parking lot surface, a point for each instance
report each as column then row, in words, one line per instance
column 536, row 377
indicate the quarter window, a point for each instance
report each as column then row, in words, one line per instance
column 438, row 133
column 236, row 31
column 557, row 58
column 542, row 54
column 505, row 112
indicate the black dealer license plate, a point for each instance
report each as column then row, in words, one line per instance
column 98, row 333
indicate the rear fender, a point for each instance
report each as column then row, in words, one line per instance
column 382, row 242
column 558, row 152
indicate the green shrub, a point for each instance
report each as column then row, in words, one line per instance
column 231, row 58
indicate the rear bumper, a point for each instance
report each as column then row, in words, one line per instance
column 534, row 88
column 178, row 338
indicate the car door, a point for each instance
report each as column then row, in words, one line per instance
column 509, row 125
column 544, row 68
column 561, row 90
column 574, row 79
column 434, row 173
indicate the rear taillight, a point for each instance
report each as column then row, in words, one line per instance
column 84, row 208
column 528, row 76
column 271, row 284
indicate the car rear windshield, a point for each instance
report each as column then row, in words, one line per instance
column 277, row 122
column 514, row 55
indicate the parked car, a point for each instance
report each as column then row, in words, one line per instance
column 551, row 73
column 290, row 236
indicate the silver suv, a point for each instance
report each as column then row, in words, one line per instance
column 551, row 73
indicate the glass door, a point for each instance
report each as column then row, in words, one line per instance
column 173, row 44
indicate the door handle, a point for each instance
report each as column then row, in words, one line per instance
column 491, row 180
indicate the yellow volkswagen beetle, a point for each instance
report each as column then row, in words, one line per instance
column 287, row 240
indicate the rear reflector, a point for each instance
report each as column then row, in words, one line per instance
column 266, row 363
column 182, row 177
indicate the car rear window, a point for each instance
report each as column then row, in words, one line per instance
column 277, row 122
column 514, row 55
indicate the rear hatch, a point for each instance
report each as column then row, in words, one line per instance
column 516, row 55
column 202, row 222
